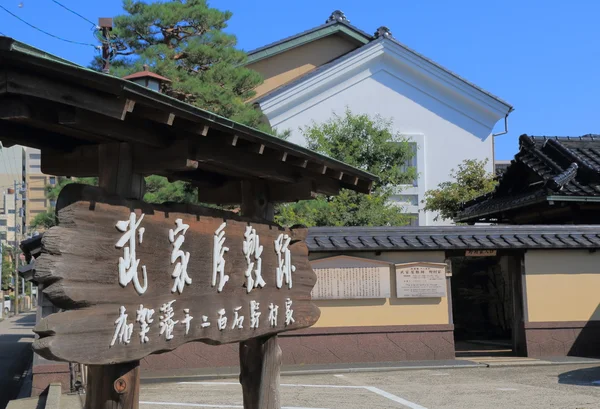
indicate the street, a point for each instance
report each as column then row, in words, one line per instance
column 15, row 353
column 532, row 387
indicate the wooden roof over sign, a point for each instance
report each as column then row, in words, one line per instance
column 67, row 111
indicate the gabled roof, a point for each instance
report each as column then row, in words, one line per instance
column 545, row 169
column 337, row 23
column 403, row 55
column 333, row 239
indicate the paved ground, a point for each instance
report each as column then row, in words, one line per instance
column 15, row 353
column 531, row 387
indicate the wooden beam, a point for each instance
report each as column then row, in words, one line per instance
column 43, row 115
column 296, row 161
column 211, row 152
column 36, row 138
column 81, row 162
column 116, row 172
column 12, row 108
column 51, row 89
column 153, row 114
column 117, row 130
column 177, row 157
column 227, row 194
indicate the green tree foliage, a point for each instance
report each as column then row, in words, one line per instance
column 159, row 190
column 44, row 220
column 47, row 219
column 469, row 181
column 370, row 144
column 7, row 268
column 184, row 41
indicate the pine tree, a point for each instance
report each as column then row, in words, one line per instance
column 184, row 41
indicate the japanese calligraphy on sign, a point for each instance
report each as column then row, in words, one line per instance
column 347, row 277
column 144, row 279
column 420, row 280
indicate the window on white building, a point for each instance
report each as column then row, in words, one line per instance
column 412, row 162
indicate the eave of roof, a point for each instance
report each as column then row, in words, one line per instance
column 508, row 108
column 144, row 74
column 307, row 36
column 16, row 54
column 557, row 163
column 349, row 239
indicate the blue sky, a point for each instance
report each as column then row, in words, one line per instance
column 541, row 56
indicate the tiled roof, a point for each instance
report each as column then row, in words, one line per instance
column 544, row 167
column 327, row 239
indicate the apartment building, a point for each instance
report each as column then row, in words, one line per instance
column 36, row 183
column 11, row 171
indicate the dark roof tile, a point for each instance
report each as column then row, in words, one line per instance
column 322, row 239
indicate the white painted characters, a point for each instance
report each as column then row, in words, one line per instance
column 238, row 320
column 128, row 264
column 222, row 321
column 284, row 258
column 254, row 314
column 180, row 273
column 123, row 330
column 273, row 311
column 289, row 313
column 253, row 251
column 186, row 321
column 205, row 322
column 167, row 324
column 144, row 317
column 218, row 259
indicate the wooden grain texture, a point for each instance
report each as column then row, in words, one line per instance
column 79, row 270
column 271, row 371
column 113, row 386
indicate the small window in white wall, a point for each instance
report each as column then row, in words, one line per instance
column 413, row 219
column 412, row 162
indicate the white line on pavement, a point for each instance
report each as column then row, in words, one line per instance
column 340, row 376
column 298, row 385
column 206, row 405
column 373, row 389
column 394, row 398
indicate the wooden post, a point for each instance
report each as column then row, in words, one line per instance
column 116, row 386
column 113, row 386
column 260, row 358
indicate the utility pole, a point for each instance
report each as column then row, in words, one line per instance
column 105, row 25
column 16, row 256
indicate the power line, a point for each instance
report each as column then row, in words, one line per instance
column 45, row 32
column 76, row 13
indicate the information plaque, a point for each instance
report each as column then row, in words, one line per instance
column 420, row 280
column 345, row 277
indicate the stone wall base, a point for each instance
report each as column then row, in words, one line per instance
column 572, row 338
column 325, row 345
column 45, row 374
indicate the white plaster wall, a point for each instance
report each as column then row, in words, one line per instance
column 446, row 136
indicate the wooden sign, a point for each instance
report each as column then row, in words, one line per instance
column 480, row 253
column 420, row 280
column 137, row 279
column 346, row 277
